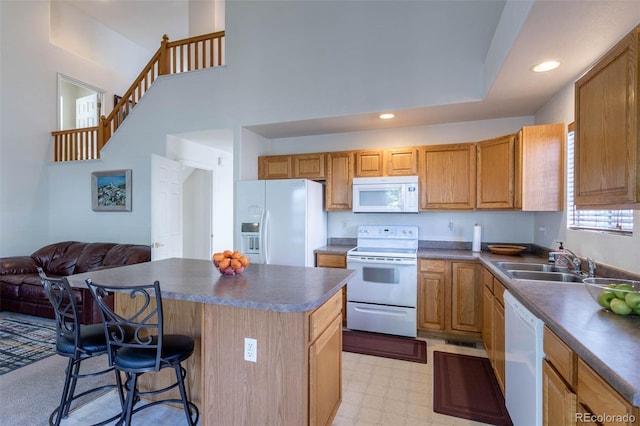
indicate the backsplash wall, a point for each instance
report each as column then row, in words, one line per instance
column 497, row 226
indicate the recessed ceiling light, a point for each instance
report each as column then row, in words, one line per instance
column 387, row 116
column 546, row 66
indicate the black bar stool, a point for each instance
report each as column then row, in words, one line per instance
column 150, row 350
column 77, row 342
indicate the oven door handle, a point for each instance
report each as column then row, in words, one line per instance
column 379, row 311
column 379, row 261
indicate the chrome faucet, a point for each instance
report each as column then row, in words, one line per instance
column 592, row 267
column 570, row 257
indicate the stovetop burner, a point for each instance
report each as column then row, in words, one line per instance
column 390, row 241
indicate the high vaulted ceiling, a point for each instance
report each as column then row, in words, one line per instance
column 525, row 32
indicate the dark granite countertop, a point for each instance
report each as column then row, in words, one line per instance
column 608, row 343
column 264, row 287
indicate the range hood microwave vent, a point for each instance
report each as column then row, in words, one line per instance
column 391, row 194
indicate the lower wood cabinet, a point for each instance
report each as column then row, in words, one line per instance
column 325, row 373
column 450, row 298
column 493, row 323
column 559, row 401
column 573, row 393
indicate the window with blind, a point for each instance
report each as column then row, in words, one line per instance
column 617, row 221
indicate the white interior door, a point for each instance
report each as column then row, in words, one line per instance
column 166, row 211
column 87, row 111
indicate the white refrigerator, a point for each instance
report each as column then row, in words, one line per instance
column 280, row 222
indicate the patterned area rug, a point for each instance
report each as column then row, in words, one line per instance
column 23, row 342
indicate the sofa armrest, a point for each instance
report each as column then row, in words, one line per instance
column 18, row 265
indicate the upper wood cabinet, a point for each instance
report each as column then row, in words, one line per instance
column 607, row 135
column 274, row 167
column 524, row 171
column 338, row 191
column 539, row 168
column 386, row 162
column 309, row 166
column 369, row 163
column 495, row 173
column 448, row 177
column 297, row 166
column 402, row 161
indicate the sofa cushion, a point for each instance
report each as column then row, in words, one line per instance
column 92, row 257
column 59, row 258
column 18, row 265
column 126, row 254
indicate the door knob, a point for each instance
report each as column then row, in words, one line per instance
column 156, row 245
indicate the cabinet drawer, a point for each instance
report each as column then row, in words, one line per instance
column 320, row 319
column 599, row 398
column 331, row 260
column 487, row 279
column 498, row 291
column 561, row 356
column 429, row 265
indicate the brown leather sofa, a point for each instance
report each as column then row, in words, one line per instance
column 20, row 287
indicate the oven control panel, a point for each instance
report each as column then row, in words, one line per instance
column 381, row 231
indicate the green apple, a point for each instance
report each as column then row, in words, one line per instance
column 604, row 299
column 636, row 311
column 619, row 307
column 633, row 300
column 621, row 290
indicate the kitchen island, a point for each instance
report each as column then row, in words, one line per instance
column 294, row 315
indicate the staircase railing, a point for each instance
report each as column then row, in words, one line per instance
column 205, row 51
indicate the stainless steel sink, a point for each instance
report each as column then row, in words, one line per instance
column 544, row 276
column 522, row 266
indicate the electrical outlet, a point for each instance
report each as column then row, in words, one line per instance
column 250, row 349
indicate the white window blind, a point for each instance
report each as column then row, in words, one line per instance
column 618, row 221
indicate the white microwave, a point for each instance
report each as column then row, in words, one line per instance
column 392, row 194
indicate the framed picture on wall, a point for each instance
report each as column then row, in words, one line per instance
column 111, row 191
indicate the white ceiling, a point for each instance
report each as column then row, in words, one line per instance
column 575, row 32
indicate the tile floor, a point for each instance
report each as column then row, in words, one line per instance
column 376, row 391
column 380, row 391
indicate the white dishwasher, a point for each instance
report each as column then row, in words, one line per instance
column 523, row 363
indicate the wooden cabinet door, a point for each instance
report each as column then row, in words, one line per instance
column 601, row 399
column 540, row 153
column 466, row 297
column 274, row 167
column 369, row 163
column 495, row 173
column 338, row 191
column 448, row 177
column 558, row 400
column 432, row 295
column 309, row 166
column 487, row 323
column 498, row 332
column 325, row 374
column 402, row 161
column 607, row 140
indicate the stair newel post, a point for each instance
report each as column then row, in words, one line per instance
column 164, row 66
column 103, row 134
